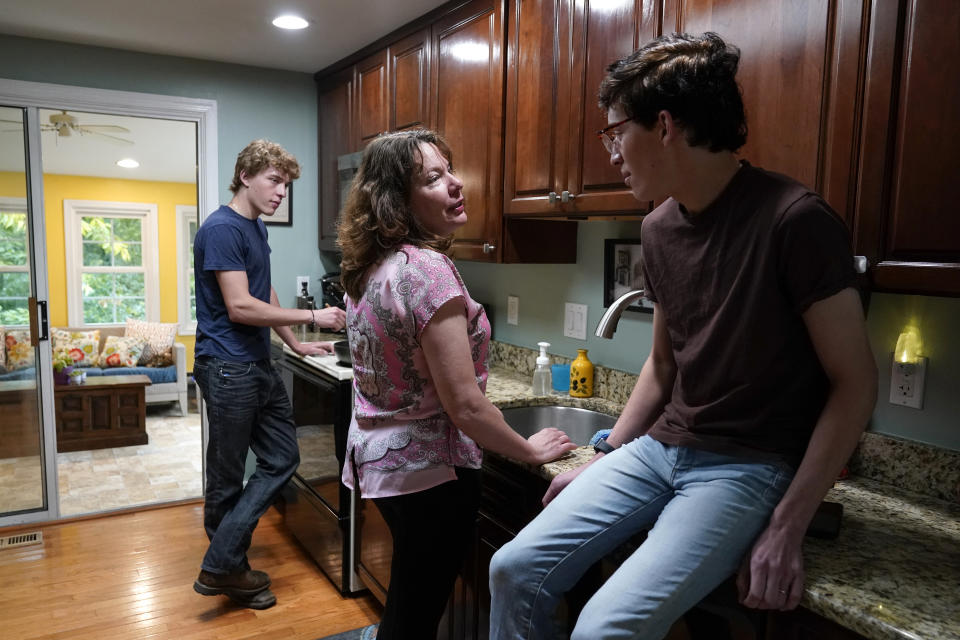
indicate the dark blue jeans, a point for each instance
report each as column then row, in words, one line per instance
column 247, row 408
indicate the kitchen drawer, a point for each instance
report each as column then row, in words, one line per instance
column 510, row 495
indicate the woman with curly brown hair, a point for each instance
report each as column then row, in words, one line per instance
column 419, row 347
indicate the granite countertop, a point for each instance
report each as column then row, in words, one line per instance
column 893, row 573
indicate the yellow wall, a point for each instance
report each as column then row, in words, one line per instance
column 57, row 188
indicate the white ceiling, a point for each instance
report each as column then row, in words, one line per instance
column 165, row 149
column 237, row 31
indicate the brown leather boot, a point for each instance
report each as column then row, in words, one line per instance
column 239, row 585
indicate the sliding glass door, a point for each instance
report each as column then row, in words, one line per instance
column 27, row 459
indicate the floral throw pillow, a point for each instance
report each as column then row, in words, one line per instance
column 159, row 337
column 62, row 336
column 85, row 352
column 121, row 351
column 19, row 350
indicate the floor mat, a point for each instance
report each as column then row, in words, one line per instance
column 363, row 633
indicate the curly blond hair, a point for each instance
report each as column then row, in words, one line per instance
column 260, row 154
column 377, row 217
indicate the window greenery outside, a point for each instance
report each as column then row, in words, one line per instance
column 14, row 272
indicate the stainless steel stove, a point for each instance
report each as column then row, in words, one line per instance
column 319, row 509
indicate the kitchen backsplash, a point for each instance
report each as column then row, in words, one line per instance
column 608, row 384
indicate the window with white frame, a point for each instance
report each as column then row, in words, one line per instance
column 111, row 252
column 186, row 291
column 14, row 269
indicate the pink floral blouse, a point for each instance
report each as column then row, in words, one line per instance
column 400, row 438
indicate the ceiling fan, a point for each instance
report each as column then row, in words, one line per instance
column 65, row 125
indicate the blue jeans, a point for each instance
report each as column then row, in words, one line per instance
column 247, row 408
column 706, row 510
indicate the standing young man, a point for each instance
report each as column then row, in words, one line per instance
column 247, row 405
column 758, row 384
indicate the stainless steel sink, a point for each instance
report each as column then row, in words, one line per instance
column 579, row 424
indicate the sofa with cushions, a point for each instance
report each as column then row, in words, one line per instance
column 138, row 348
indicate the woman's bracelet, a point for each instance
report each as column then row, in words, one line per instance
column 313, row 316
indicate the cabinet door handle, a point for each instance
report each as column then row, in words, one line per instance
column 489, row 248
column 552, row 196
column 566, row 196
column 860, row 264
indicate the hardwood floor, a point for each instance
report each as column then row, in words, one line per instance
column 130, row 576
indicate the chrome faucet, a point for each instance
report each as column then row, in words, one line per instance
column 608, row 323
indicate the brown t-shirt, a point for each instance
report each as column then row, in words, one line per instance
column 732, row 283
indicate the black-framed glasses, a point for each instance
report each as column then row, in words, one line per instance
column 610, row 140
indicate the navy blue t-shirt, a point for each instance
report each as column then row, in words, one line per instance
column 227, row 241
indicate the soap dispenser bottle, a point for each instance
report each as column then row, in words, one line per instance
column 542, row 381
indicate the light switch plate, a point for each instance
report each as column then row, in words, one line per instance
column 906, row 383
column 575, row 321
column 513, row 310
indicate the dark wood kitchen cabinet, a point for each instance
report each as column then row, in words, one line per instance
column 410, row 81
column 557, row 54
column 467, row 108
column 799, row 68
column 907, row 223
column 467, row 90
column 335, row 100
column 372, row 97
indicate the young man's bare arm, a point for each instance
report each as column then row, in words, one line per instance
column 772, row 575
column 243, row 308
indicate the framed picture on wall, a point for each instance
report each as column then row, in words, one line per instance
column 283, row 216
column 623, row 272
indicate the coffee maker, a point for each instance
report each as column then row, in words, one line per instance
column 332, row 290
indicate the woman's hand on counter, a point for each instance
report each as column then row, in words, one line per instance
column 313, row 348
column 549, row 444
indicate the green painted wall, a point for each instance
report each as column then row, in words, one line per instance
column 252, row 102
column 543, row 290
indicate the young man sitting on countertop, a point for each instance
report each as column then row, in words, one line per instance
column 757, row 387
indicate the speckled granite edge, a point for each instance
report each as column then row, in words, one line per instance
column 893, row 571
column 913, row 466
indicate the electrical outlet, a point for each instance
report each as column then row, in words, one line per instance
column 300, row 282
column 513, row 310
column 906, row 383
column 575, row 321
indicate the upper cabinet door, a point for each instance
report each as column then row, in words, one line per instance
column 410, row 81
column 372, row 97
column 557, row 54
column 537, row 110
column 798, row 71
column 467, row 87
column 335, row 107
column 603, row 32
column 907, row 222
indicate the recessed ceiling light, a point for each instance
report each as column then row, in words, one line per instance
column 128, row 163
column 290, row 22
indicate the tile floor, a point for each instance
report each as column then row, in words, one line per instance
column 168, row 468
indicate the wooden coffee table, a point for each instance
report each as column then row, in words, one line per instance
column 104, row 411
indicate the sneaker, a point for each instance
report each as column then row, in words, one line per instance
column 243, row 584
column 262, row 600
